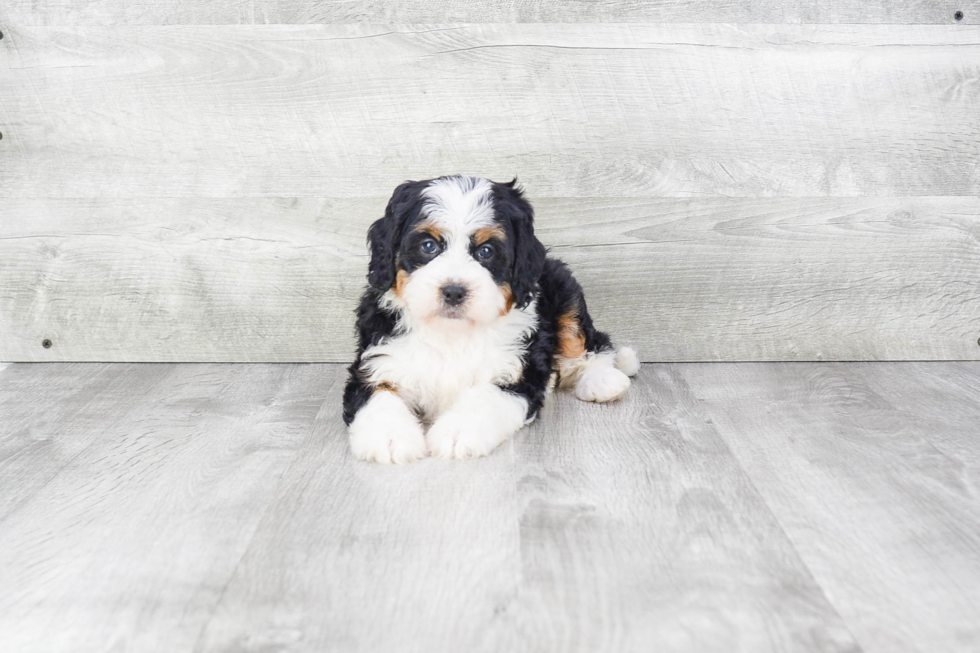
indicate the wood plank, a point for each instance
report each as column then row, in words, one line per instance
column 358, row 557
column 640, row 532
column 46, row 416
column 751, row 507
column 575, row 110
column 939, row 402
column 349, row 546
column 815, row 279
column 889, row 524
column 173, row 12
column 191, row 279
column 129, row 547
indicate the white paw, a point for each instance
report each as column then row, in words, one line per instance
column 385, row 431
column 601, row 384
column 461, row 435
column 627, row 361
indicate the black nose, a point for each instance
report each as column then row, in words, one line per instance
column 454, row 294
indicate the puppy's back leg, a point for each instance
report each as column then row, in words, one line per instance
column 585, row 358
column 601, row 374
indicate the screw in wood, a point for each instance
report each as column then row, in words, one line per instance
column 958, row 15
column 46, row 343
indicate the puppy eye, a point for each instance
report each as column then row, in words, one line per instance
column 429, row 246
column 484, row 252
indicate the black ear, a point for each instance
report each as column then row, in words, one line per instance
column 529, row 254
column 385, row 234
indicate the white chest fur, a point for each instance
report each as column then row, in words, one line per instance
column 430, row 366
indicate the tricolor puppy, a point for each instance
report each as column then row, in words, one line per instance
column 463, row 325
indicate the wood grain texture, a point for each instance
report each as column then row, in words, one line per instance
column 575, row 110
column 699, row 279
column 173, row 12
column 129, row 545
column 745, row 507
column 359, row 557
column 854, row 462
column 216, row 517
column 38, row 409
column 640, row 532
column 942, row 407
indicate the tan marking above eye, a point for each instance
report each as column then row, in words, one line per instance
column 432, row 229
column 484, row 234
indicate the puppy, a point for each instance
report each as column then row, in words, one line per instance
column 464, row 324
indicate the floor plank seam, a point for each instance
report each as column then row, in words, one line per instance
column 27, row 499
column 274, row 494
column 706, row 411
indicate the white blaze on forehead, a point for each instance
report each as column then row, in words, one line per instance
column 459, row 204
column 456, row 206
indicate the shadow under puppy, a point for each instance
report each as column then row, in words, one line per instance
column 463, row 325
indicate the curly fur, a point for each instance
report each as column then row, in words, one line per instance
column 464, row 325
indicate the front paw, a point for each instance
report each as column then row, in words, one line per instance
column 602, row 384
column 461, row 435
column 385, row 431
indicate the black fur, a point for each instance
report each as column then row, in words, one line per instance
column 384, row 236
column 501, row 261
column 373, row 322
column 517, row 216
column 559, row 293
column 520, row 261
column 373, row 325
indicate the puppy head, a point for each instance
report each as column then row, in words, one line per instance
column 456, row 251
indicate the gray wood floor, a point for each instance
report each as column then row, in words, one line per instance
column 719, row 507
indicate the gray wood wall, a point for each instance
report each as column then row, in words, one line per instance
column 731, row 181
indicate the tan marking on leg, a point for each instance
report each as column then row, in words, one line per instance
column 571, row 340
